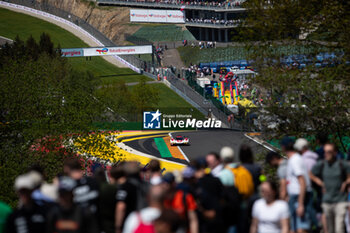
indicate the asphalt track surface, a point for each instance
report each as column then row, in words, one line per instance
column 202, row 142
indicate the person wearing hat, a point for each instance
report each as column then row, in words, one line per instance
column 69, row 217
column 310, row 158
column 28, row 217
column 298, row 188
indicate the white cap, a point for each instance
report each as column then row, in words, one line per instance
column 36, row 177
column 300, row 144
column 227, row 153
column 24, row 182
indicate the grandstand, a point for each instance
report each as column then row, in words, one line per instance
column 220, row 13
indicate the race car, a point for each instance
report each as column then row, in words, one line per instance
column 179, row 140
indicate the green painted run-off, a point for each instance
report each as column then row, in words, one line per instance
column 162, row 148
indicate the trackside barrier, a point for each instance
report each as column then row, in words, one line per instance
column 68, row 23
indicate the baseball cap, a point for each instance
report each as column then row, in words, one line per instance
column 168, row 178
column 300, row 143
column 36, row 177
column 227, row 153
column 24, row 181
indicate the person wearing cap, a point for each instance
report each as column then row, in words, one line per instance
column 310, row 158
column 29, row 216
column 180, row 200
column 69, row 217
column 298, row 188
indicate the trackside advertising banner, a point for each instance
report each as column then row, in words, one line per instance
column 107, row 51
column 157, row 16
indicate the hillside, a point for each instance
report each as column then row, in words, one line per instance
column 113, row 22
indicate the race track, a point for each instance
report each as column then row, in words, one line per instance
column 201, row 143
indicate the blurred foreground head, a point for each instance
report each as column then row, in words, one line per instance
column 227, row 155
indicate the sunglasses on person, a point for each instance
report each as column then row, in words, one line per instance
column 328, row 151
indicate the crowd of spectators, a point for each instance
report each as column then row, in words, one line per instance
column 214, row 193
column 214, row 21
column 219, row 4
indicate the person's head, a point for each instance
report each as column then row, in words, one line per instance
column 322, row 138
column 227, row 155
column 156, row 196
column 24, row 186
column 330, row 151
column 72, row 167
column 168, row 181
column 66, row 186
column 273, row 158
column 301, row 145
column 117, row 173
column 269, row 191
column 213, row 160
column 154, row 166
column 246, row 154
column 287, row 145
column 199, row 165
column 132, row 169
column 168, row 222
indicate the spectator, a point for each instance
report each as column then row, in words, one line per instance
column 181, row 202
column 69, row 217
column 155, row 172
column 298, row 188
column 276, row 160
column 247, row 160
column 108, row 200
column 230, row 196
column 321, row 139
column 334, row 177
column 86, row 191
column 310, row 158
column 270, row 215
column 130, row 195
column 142, row 221
column 168, row 222
column 29, row 216
column 208, row 193
column 214, row 163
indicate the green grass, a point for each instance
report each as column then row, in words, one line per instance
column 155, row 33
column 13, row 24
column 171, row 103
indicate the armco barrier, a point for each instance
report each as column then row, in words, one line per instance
column 68, row 23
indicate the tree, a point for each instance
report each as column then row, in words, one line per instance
column 144, row 96
column 303, row 101
column 44, row 104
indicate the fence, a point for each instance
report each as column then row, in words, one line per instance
column 85, row 25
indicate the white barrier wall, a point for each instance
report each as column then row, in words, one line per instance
column 157, row 16
column 125, row 50
column 68, row 23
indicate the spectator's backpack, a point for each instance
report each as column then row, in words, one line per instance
column 142, row 227
column 243, row 181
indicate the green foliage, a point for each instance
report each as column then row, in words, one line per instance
column 42, row 101
column 300, row 102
